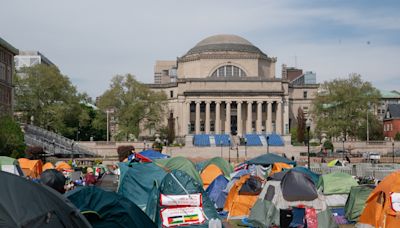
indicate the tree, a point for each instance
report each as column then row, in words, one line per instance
column 11, row 138
column 341, row 105
column 137, row 107
column 301, row 125
column 397, row 136
column 171, row 128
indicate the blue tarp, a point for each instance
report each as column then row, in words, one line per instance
column 216, row 191
column 152, row 154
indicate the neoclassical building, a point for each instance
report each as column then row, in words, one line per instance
column 226, row 85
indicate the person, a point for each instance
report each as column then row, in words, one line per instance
column 292, row 158
column 348, row 159
column 54, row 179
column 132, row 154
column 90, row 179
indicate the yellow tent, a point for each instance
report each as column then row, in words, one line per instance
column 47, row 166
column 279, row 166
column 31, row 168
column 209, row 174
column 382, row 208
column 60, row 166
column 238, row 202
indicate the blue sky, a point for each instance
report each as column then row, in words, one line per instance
column 93, row 40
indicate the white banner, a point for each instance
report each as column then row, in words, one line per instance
column 181, row 200
column 182, row 216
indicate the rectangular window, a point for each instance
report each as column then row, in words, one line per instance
column 192, row 107
column 305, row 94
column 228, row 71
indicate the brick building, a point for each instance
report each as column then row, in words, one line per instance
column 7, row 52
column 391, row 121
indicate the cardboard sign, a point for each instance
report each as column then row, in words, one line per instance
column 182, row 216
column 395, row 201
column 181, row 200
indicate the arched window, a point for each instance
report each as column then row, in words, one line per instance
column 228, row 71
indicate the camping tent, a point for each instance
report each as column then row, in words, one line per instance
column 271, row 208
column 335, row 162
column 279, row 166
column 10, row 165
column 108, row 209
column 242, row 196
column 225, row 167
column 61, row 165
column 269, row 159
column 313, row 176
column 137, row 180
column 215, row 191
column 179, row 163
column 24, row 203
column 296, row 186
column 209, row 174
column 382, row 206
column 47, row 165
column 356, row 201
column 31, row 168
column 178, row 183
column 152, row 154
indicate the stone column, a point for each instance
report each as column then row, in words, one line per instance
column 286, row 116
column 259, row 117
column 186, row 117
column 197, row 123
column 239, row 118
column 207, row 121
column 228, row 117
column 269, row 117
column 278, row 121
column 217, row 117
column 249, row 117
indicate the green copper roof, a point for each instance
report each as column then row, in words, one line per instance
column 390, row 94
column 8, row 46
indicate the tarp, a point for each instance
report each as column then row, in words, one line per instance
column 218, row 161
column 296, row 186
column 179, row 163
column 279, row 166
column 47, row 165
column 31, row 168
column 24, row 203
column 216, row 191
column 379, row 209
column 112, row 209
column 137, row 181
column 10, row 165
column 356, row 201
column 209, row 174
column 336, row 183
column 152, row 154
column 178, row 182
column 60, row 166
column 269, row 159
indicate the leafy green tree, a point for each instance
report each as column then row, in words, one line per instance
column 397, row 136
column 341, row 105
column 135, row 104
column 11, row 138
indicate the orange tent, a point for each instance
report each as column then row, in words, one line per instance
column 279, row 166
column 60, row 166
column 209, row 174
column 381, row 209
column 239, row 203
column 47, row 166
column 31, row 168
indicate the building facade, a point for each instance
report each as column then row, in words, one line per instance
column 31, row 58
column 391, row 121
column 7, row 52
column 226, row 85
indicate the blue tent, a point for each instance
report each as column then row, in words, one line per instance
column 269, row 159
column 216, row 191
column 152, row 154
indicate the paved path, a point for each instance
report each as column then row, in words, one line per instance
column 108, row 182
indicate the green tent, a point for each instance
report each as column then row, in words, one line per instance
column 10, row 165
column 108, row 209
column 225, row 167
column 178, row 182
column 137, row 180
column 336, row 183
column 179, row 163
column 356, row 201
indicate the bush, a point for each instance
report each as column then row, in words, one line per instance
column 11, row 137
column 314, row 144
column 397, row 136
column 328, row 145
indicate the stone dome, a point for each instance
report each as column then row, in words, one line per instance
column 224, row 42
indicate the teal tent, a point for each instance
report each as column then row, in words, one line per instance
column 108, row 209
column 178, row 182
column 269, row 159
column 179, row 163
column 356, row 201
column 137, row 180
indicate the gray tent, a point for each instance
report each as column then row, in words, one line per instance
column 27, row 204
column 297, row 186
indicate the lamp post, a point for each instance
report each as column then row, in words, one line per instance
column 308, row 126
column 237, row 153
column 220, row 143
column 367, row 124
column 343, row 139
column 267, row 144
column 393, row 151
column 229, row 151
column 245, row 148
column 108, row 111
